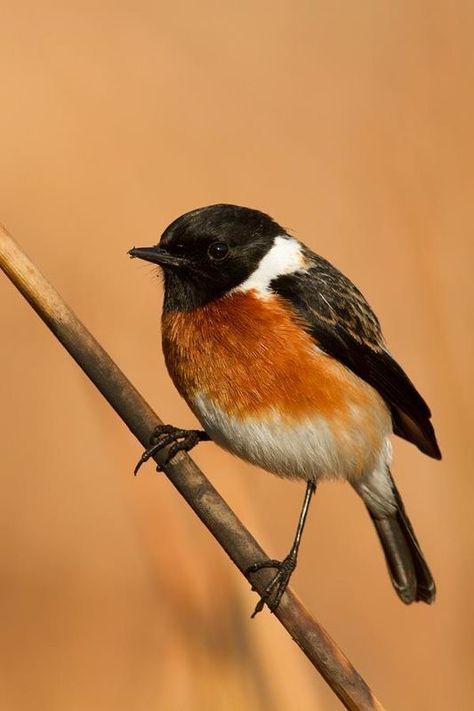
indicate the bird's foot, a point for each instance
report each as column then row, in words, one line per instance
column 176, row 439
column 273, row 593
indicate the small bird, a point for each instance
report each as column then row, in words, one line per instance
column 283, row 362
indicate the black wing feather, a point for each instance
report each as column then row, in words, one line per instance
column 345, row 327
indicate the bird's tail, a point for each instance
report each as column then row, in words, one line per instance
column 409, row 572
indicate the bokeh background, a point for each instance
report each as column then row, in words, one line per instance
column 352, row 124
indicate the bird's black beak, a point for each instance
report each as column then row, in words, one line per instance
column 158, row 255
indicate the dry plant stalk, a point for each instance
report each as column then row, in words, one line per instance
column 188, row 479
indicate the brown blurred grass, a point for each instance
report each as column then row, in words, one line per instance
column 352, row 125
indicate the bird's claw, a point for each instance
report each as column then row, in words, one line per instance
column 273, row 592
column 178, row 440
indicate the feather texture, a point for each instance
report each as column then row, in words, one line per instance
column 344, row 326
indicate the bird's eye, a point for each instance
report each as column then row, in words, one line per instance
column 218, row 251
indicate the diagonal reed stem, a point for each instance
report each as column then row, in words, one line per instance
column 199, row 493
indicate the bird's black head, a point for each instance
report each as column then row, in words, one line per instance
column 207, row 252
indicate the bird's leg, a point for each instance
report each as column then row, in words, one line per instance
column 278, row 584
column 166, row 435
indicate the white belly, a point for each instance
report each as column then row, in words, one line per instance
column 310, row 449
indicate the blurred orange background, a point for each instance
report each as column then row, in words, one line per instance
column 350, row 123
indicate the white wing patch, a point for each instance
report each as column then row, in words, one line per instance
column 284, row 257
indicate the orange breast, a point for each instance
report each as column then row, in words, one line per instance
column 247, row 354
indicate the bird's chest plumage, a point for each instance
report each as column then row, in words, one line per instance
column 263, row 390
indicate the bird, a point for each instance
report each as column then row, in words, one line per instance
column 284, row 364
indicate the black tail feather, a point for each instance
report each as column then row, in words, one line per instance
column 408, row 569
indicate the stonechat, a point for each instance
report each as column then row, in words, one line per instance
column 284, row 364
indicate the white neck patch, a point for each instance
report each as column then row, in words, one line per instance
column 284, row 257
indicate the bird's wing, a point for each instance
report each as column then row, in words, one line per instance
column 345, row 327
